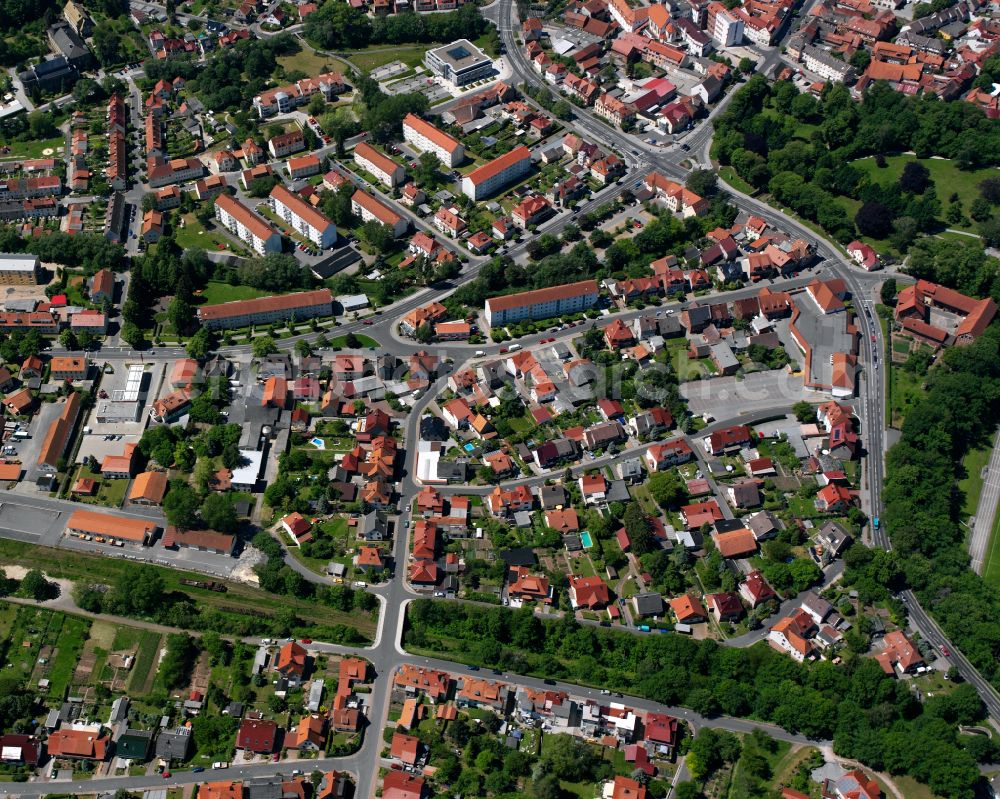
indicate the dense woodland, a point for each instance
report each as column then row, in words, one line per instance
column 800, row 150
column 959, row 411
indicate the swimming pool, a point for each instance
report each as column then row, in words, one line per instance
column 586, row 540
column 319, row 443
column 469, row 447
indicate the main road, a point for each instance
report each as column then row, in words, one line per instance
column 386, row 654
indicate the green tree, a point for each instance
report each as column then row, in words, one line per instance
column 200, row 344
column 181, row 504
column 804, row 412
column 639, row 530
column 667, row 488
column 262, row 346
column 35, row 586
column 702, row 182
column 219, row 513
column 68, row 340
column 887, row 292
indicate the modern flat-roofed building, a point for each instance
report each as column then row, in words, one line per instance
column 541, row 303
column 302, row 305
column 303, row 217
column 244, row 223
column 423, row 136
column 459, row 63
column 388, row 172
column 496, row 174
column 21, row 270
column 371, row 209
column 111, row 528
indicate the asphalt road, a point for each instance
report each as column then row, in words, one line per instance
column 986, row 511
column 386, row 653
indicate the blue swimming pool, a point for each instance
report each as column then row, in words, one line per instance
column 469, row 447
column 319, row 443
column 586, row 540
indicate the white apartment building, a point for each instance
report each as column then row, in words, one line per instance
column 426, row 138
column 541, row 303
column 239, row 220
column 826, row 65
column 725, row 27
column 371, row 209
column 303, row 218
column 493, row 176
column 388, row 172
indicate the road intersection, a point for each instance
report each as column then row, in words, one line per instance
column 387, row 653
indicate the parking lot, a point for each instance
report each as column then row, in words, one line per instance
column 426, row 84
column 28, row 450
column 389, row 70
column 725, row 397
column 33, row 525
column 825, row 333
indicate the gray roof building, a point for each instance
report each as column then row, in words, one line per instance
column 174, row 744
column 648, row 604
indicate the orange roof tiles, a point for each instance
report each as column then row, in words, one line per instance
column 87, row 521
column 498, row 165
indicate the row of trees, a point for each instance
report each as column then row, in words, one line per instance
column 91, row 251
column 869, row 716
column 334, row 27
column 140, row 591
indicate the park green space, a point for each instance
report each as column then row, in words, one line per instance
column 947, row 177
column 371, row 58
column 216, row 292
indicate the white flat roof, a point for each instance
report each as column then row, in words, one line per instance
column 250, row 473
column 19, row 262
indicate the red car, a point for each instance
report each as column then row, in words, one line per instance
column 165, row 775
column 306, row 640
column 503, row 349
column 945, row 652
column 367, row 322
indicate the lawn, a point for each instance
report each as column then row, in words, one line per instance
column 905, row 389
column 947, row 177
column 143, row 671
column 110, row 493
column 35, row 149
column 68, row 646
column 216, row 292
column 991, row 561
column 641, row 493
column 785, row 767
column 911, row 788
column 340, row 342
column 374, row 57
column 728, row 174
column 193, row 235
column 971, row 485
column 311, row 63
